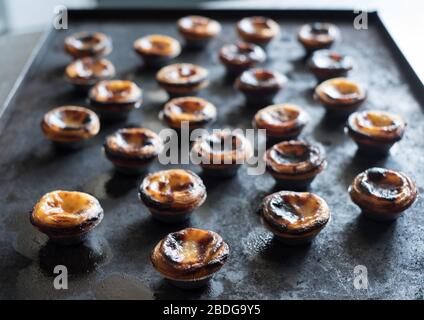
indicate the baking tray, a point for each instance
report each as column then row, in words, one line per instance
column 115, row 262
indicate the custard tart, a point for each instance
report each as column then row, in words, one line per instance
column 189, row 258
column 70, row 126
column 66, row 217
column 383, row 194
column 86, row 72
column 375, row 132
column 294, row 217
column 258, row 30
column 294, row 164
column 172, row 195
column 156, row 49
column 83, row 44
column 340, row 96
column 281, row 121
column 221, row 153
column 114, row 99
column 196, row 112
column 241, row 56
column 197, row 30
column 132, row 150
column 182, row 79
column 318, row 35
column 327, row 64
column 260, row 86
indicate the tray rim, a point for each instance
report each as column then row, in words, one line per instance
column 414, row 81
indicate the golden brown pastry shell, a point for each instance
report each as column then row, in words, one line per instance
column 375, row 131
column 66, row 216
column 68, row 124
column 294, row 217
column 318, row 40
column 84, row 44
column 87, row 71
column 383, row 194
column 182, row 78
column 132, row 148
column 241, row 56
column 198, row 27
column 281, row 121
column 258, row 30
column 114, row 99
column 340, row 95
column 172, row 192
column 190, row 254
column 299, row 160
column 222, row 162
column 196, row 111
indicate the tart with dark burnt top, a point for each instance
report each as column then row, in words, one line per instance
column 114, row 99
column 182, row 79
column 221, row 153
column 260, row 86
column 258, row 30
column 197, row 30
column 196, row 112
column 66, row 217
column 241, row 56
column 294, row 164
column 375, row 132
column 132, row 150
column 318, row 35
column 70, row 126
column 294, row 217
column 190, row 257
column 383, row 194
column 340, row 96
column 327, row 64
column 281, row 121
column 86, row 72
column 172, row 195
column 85, row 44
column 156, row 49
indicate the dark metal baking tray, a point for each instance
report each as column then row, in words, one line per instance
column 115, row 262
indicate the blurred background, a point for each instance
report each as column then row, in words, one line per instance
column 23, row 21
